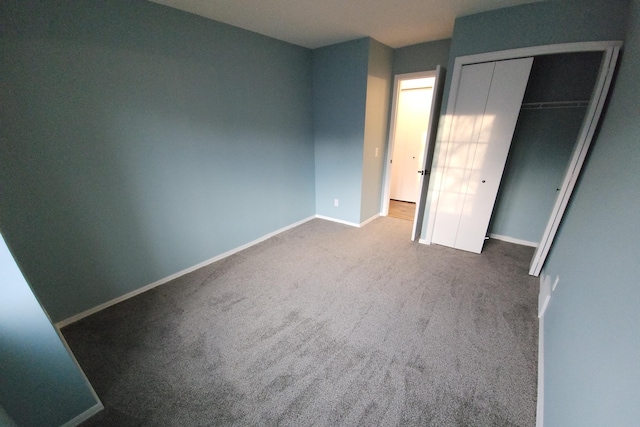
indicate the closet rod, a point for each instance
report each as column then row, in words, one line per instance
column 554, row 104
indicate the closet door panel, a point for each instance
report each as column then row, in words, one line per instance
column 473, row 91
column 495, row 134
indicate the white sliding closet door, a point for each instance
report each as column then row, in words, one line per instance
column 473, row 91
column 486, row 110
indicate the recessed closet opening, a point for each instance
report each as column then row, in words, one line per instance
column 554, row 107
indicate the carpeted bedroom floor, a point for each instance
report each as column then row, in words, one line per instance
column 324, row 325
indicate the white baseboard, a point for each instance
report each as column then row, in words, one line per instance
column 362, row 224
column 95, row 408
column 61, row 324
column 351, row 224
column 513, row 240
column 540, row 406
column 84, row 416
column 544, row 294
column 328, row 218
column 543, row 298
column 424, row 241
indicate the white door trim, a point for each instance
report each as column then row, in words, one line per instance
column 610, row 49
column 600, row 91
column 398, row 78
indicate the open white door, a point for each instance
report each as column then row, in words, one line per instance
column 600, row 92
column 425, row 170
column 409, row 140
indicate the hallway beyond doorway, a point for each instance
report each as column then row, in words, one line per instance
column 402, row 210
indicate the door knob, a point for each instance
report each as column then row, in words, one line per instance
column 483, row 181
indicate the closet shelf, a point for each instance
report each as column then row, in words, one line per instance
column 554, row 104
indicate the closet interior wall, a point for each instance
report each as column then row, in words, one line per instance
column 554, row 106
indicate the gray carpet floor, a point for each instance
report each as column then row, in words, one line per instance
column 324, row 325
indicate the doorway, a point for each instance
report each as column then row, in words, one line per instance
column 414, row 116
column 410, row 132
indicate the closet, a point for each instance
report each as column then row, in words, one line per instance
column 547, row 100
column 553, row 110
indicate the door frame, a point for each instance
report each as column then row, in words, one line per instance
column 397, row 79
column 610, row 51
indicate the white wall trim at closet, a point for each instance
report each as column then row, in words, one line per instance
column 535, row 51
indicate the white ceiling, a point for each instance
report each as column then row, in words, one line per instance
column 316, row 23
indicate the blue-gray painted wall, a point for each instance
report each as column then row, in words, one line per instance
column 339, row 102
column 351, row 90
column 125, row 123
column 40, row 384
column 591, row 334
column 421, row 57
column 376, row 127
column 138, row 140
column 540, row 152
column 5, row 419
column 536, row 24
